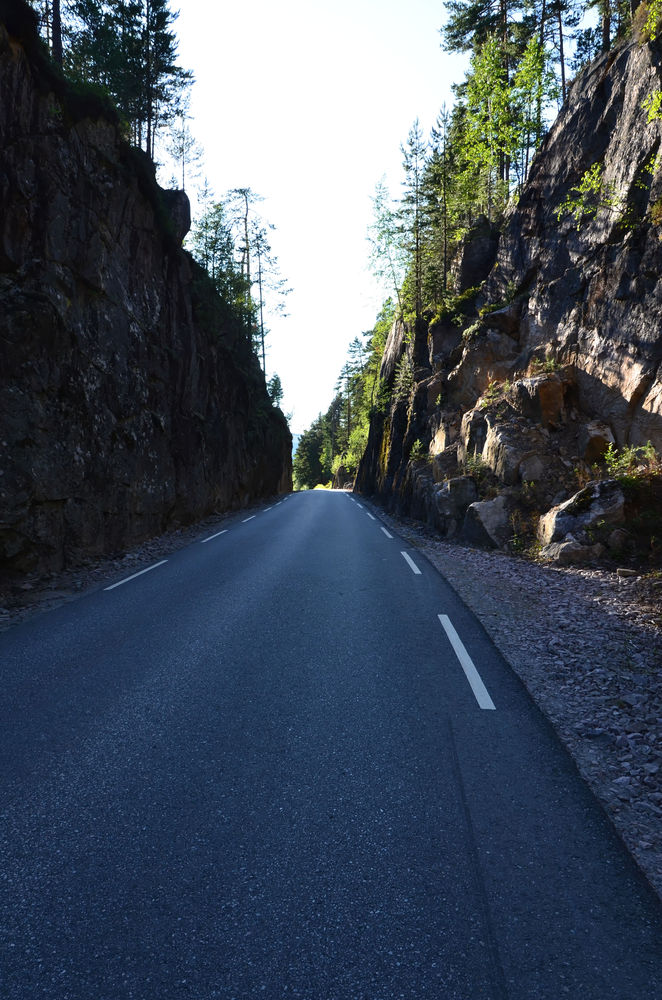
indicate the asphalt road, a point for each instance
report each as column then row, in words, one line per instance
column 268, row 768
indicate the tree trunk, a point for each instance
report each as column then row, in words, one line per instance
column 561, row 56
column 56, row 29
column 605, row 7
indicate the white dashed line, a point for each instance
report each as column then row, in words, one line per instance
column 370, row 516
column 359, row 505
column 264, row 511
column 247, row 519
column 411, row 562
column 388, row 535
column 467, row 664
column 217, row 535
column 133, row 577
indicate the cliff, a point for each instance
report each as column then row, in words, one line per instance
column 130, row 402
column 553, row 350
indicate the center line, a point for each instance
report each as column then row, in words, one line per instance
column 388, row 535
column 134, row 575
column 224, row 532
column 467, row 664
column 246, row 519
column 411, row 562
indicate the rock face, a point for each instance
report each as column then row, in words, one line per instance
column 129, row 402
column 561, row 356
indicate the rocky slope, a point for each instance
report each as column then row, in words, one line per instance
column 130, row 402
column 554, row 348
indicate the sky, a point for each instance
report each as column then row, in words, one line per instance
column 307, row 102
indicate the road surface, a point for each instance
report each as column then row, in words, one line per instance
column 286, row 762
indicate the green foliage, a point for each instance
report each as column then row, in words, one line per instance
column 275, row 390
column 418, row 452
column 631, row 463
column 653, row 103
column 548, row 365
column 338, row 438
column 584, row 201
column 128, row 48
column 495, row 391
column 403, row 382
column 652, row 24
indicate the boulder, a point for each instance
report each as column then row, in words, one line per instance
column 540, row 399
column 486, row 523
column 452, row 500
column 601, row 502
column 532, row 468
column 571, row 552
column 506, row 449
column 594, row 440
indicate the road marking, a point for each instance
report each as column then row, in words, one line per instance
column 279, row 503
column 224, row 532
column 467, row 664
column 359, row 505
column 265, row 509
column 387, row 533
column 247, row 519
column 411, row 562
column 126, row 579
column 370, row 516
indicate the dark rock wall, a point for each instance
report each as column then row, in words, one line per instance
column 582, row 300
column 128, row 401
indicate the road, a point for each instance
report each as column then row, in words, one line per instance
column 286, row 762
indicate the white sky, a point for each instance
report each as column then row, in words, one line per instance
column 307, row 102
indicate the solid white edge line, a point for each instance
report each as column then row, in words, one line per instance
column 126, row 579
column 370, row 516
column 388, row 535
column 411, row 562
column 218, row 533
column 467, row 664
column 247, row 519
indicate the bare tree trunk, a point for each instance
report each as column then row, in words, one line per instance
column 561, row 56
column 56, row 28
column 605, row 8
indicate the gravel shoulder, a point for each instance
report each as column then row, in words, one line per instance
column 586, row 644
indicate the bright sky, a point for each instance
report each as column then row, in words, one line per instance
column 307, row 103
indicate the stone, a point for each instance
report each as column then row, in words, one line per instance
column 594, row 440
column 598, row 503
column 507, row 447
column 540, row 399
column 532, row 469
column 486, row 523
column 451, row 502
column 618, row 539
column 568, row 553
